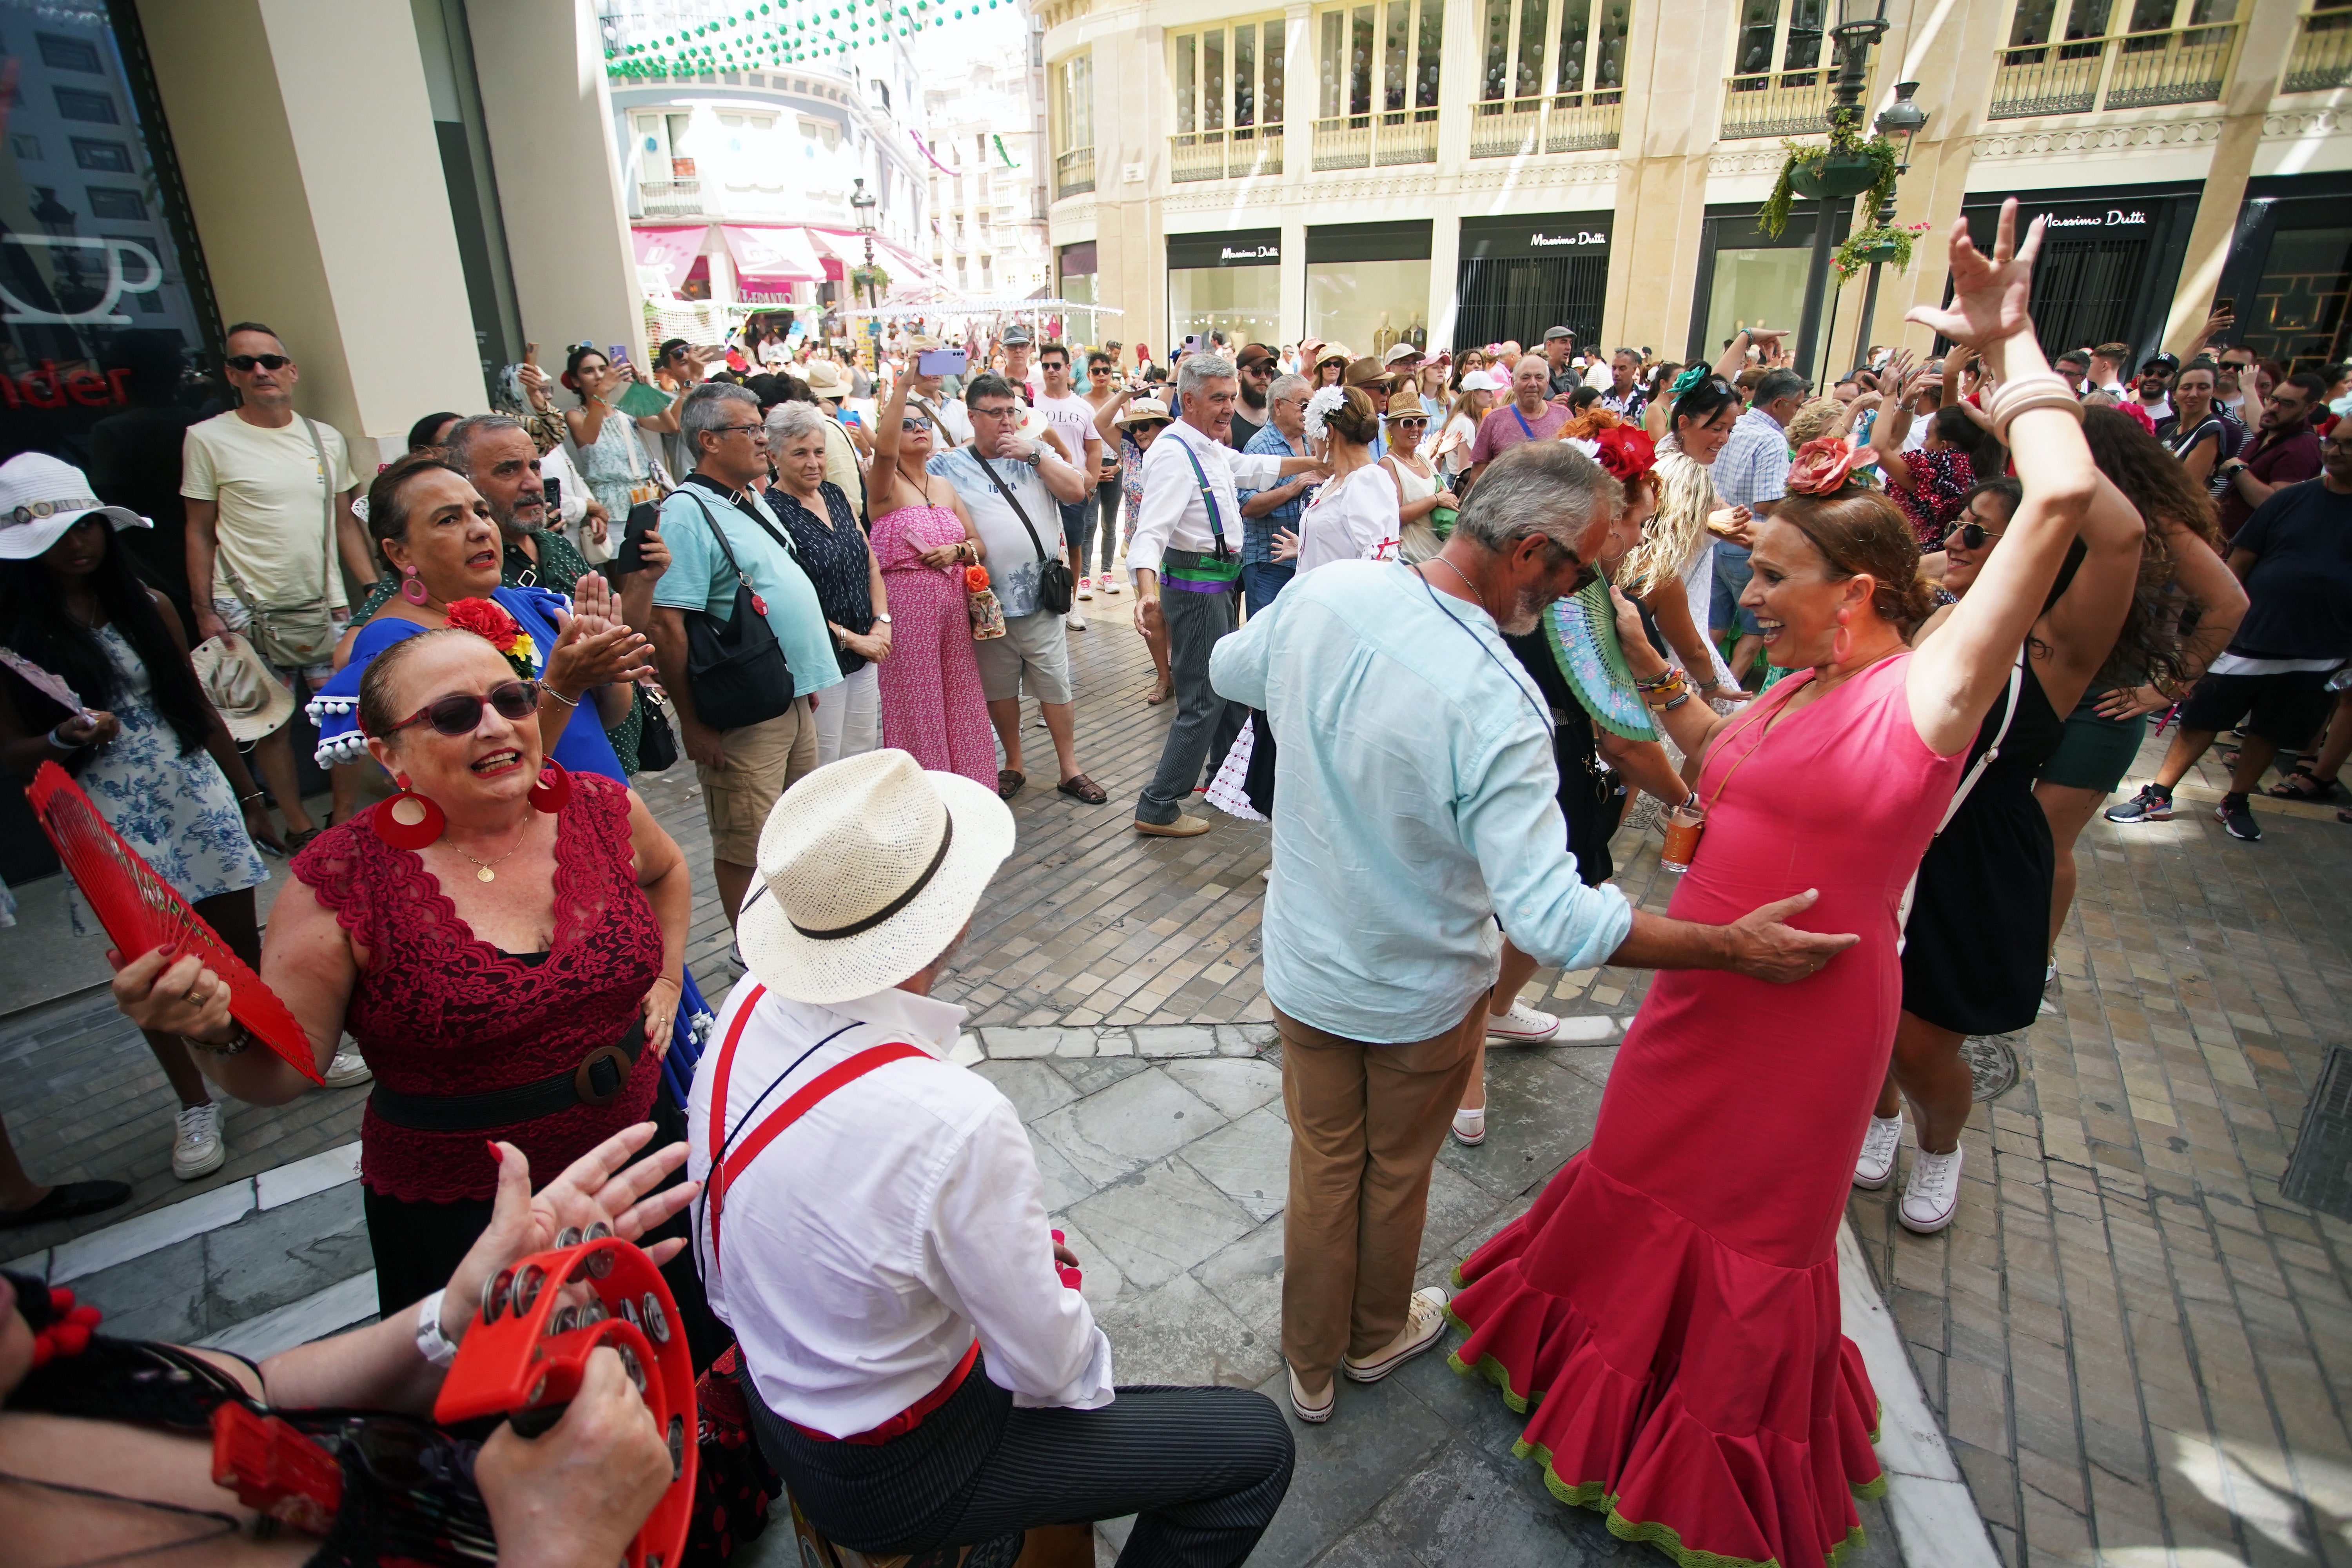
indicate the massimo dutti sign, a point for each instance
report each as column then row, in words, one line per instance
column 1233, row 248
column 1535, row 234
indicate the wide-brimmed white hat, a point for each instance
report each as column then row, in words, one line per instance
column 41, row 498
column 1142, row 411
column 252, row 701
column 826, row 380
column 868, row 867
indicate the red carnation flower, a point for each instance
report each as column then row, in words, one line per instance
column 488, row 619
column 1627, row 451
column 1820, row 466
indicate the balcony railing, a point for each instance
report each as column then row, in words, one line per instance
column 1787, row 104
column 2323, row 54
column 1519, row 127
column 1236, row 154
column 1074, row 172
column 671, row 198
column 2127, row 70
column 1377, row 141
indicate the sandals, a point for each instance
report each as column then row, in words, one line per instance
column 294, row 841
column 1081, row 787
column 2305, row 785
column 1160, row 692
column 1009, row 782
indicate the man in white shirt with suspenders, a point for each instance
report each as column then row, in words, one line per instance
column 920, row 1367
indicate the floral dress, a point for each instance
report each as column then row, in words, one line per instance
column 176, row 810
column 1938, row 479
column 932, row 704
column 615, row 467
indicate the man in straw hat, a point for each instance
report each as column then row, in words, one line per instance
column 874, row 1226
column 1420, row 797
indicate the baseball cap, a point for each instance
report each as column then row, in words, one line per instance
column 41, row 498
column 1482, row 381
column 1017, row 334
column 1254, row 354
column 2168, row 361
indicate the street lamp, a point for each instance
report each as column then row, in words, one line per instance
column 862, row 205
column 1861, row 23
column 1898, row 122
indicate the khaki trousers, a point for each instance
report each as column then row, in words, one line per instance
column 1366, row 1123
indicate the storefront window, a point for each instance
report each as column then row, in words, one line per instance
column 1242, row 302
column 1370, row 305
column 98, row 310
column 1755, row 288
column 2297, row 313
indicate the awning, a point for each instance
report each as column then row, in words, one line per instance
column 767, row 259
column 671, row 249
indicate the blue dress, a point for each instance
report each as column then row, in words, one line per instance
column 583, row 747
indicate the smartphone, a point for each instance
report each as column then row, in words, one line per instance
column 2225, row 306
column 552, row 489
column 1192, row 343
column 942, row 362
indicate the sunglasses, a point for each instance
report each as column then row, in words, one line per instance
column 915, row 424
column 1971, row 535
column 1416, row 419
column 460, row 712
column 248, row 364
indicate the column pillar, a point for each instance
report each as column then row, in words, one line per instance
column 2271, row 33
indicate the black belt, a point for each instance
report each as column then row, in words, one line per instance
column 599, row 1079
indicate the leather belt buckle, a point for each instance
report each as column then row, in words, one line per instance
column 583, row 1080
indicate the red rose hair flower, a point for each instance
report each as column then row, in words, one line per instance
column 486, row 618
column 1627, row 452
column 1820, row 466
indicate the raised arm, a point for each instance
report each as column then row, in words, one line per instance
column 1951, row 682
column 2220, row 601
column 887, row 431
column 1106, row 417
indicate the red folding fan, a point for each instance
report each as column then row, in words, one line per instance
column 142, row 911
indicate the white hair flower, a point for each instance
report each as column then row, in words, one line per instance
column 1327, row 401
column 1589, row 447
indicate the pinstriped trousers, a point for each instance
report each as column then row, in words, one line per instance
column 1202, row 1468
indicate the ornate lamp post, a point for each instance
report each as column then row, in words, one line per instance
column 1861, row 23
column 862, row 205
column 1901, row 121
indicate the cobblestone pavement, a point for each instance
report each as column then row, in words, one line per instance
column 2138, row 1348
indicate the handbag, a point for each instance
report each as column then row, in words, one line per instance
column 1057, row 586
column 656, row 741
column 303, row 633
column 735, row 667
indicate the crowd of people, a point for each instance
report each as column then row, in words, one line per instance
column 1878, row 651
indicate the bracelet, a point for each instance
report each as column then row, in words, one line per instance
column 60, row 745
column 236, row 1046
column 435, row 1347
column 2028, row 393
column 256, row 794
column 1679, row 699
column 551, row 691
column 1665, row 678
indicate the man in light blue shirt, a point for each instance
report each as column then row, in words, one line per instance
column 1752, row 470
column 1417, row 804
column 743, row 769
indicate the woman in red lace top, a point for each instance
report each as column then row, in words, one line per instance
column 511, row 978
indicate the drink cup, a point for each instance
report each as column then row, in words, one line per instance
column 1683, row 823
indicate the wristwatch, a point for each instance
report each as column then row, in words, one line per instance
column 884, row 619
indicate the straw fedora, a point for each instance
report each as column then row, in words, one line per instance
column 1142, row 411
column 868, row 867
column 251, row 701
column 826, row 380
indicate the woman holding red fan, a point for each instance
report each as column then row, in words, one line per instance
column 504, row 939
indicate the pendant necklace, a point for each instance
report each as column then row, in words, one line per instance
column 483, row 871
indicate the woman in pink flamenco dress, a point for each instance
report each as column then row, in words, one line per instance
column 1666, row 1313
column 931, row 701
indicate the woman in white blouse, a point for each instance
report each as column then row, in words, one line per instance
column 1354, row 516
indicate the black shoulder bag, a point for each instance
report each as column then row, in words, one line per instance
column 735, row 667
column 1057, row 587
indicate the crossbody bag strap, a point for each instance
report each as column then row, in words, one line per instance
column 1960, row 795
column 1208, row 499
column 717, row 533
column 327, row 504
column 1524, row 428
column 1002, row 488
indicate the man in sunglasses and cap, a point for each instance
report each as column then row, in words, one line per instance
column 920, row 1367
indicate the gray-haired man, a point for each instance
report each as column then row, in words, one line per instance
column 1419, row 798
column 1187, row 538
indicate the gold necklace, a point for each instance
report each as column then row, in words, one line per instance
column 483, row 872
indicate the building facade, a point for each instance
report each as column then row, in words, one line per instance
column 989, row 162
column 1462, row 173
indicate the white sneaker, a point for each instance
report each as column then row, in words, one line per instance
column 1933, row 1193
column 1522, row 1025
column 1109, row 584
column 347, row 1069
column 1074, row 620
column 197, row 1147
column 1470, row 1126
column 1085, row 587
column 1425, row 1322
column 1314, row 1415
column 1875, row 1165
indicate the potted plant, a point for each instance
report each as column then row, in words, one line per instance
column 1874, row 243
column 870, row 276
column 1844, row 165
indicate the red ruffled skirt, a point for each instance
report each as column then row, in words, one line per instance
column 1703, row 1400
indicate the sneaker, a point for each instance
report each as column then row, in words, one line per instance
column 1522, row 1025
column 1307, row 1410
column 1109, row 584
column 2234, row 815
column 1933, row 1196
column 1085, row 587
column 1425, row 1322
column 2150, row 804
column 1875, row 1165
column 197, row 1147
column 1470, row 1126
column 1074, row 620
column 347, row 1069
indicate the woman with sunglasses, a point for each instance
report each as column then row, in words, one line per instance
column 1421, row 489
column 505, row 940
column 605, row 448
column 924, row 543
column 1974, row 945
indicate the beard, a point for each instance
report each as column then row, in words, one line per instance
column 1527, row 611
column 1252, row 398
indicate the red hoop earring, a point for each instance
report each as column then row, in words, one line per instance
column 553, row 790
column 408, row 820
column 1842, row 644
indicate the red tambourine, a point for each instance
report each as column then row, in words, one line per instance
column 142, row 911
column 530, row 1342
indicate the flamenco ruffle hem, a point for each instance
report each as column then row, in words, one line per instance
column 1700, row 1399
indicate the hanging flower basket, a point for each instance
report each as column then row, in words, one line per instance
column 1845, row 165
column 1875, row 243
column 874, row 278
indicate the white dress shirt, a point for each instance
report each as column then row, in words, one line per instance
column 1173, row 516
column 868, row 1246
